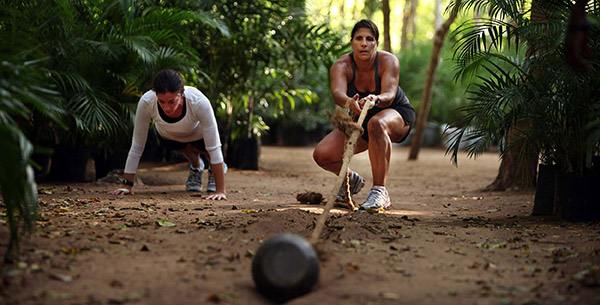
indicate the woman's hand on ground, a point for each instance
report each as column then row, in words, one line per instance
column 122, row 191
column 217, row 196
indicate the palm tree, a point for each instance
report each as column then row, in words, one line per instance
column 71, row 71
column 253, row 71
column 26, row 93
column 529, row 100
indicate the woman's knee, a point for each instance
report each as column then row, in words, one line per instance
column 376, row 127
column 323, row 155
column 319, row 155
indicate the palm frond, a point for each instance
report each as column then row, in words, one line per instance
column 484, row 36
column 94, row 115
column 17, row 184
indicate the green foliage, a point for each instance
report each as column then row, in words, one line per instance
column 70, row 72
column 253, row 74
column 555, row 108
column 101, row 55
column 23, row 90
column 448, row 94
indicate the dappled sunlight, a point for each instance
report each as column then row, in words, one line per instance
column 319, row 210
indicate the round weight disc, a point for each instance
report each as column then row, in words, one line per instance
column 285, row 266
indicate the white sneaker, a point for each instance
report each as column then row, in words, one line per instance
column 194, row 181
column 211, row 186
column 356, row 184
column 378, row 199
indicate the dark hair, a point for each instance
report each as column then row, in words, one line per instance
column 367, row 24
column 168, row 81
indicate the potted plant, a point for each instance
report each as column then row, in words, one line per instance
column 529, row 91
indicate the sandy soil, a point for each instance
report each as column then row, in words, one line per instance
column 443, row 241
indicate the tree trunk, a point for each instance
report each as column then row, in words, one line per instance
column 355, row 11
column 514, row 173
column 438, row 14
column 343, row 18
column 510, row 175
column 387, row 44
column 408, row 23
column 413, row 15
column 405, row 25
column 438, row 42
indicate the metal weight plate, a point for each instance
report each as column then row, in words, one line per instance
column 284, row 267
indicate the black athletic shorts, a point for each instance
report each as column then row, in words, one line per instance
column 403, row 107
column 175, row 145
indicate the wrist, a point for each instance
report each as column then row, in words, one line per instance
column 349, row 103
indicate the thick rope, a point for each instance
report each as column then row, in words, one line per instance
column 348, row 153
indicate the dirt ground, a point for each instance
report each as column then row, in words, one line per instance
column 443, row 241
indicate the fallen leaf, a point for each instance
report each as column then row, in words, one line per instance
column 164, row 223
column 59, row 295
column 474, row 265
column 390, row 296
column 61, row 277
column 213, row 297
column 456, row 250
column 352, row 267
column 498, row 245
column 116, row 284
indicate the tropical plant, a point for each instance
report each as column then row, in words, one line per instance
column 448, row 94
column 532, row 90
column 101, row 55
column 24, row 94
column 70, row 76
column 105, row 53
column 252, row 73
column 23, row 90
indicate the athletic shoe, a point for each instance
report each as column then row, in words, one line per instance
column 194, row 181
column 378, row 199
column 211, row 186
column 356, row 184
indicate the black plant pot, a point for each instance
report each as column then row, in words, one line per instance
column 244, row 154
column 578, row 197
column 44, row 161
column 544, row 192
column 72, row 164
column 105, row 163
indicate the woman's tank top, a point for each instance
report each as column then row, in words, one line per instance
column 351, row 91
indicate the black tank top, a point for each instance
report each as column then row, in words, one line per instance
column 351, row 91
column 170, row 120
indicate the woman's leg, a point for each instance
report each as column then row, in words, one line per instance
column 384, row 128
column 329, row 153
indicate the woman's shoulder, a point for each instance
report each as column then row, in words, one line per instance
column 197, row 101
column 344, row 59
column 148, row 98
column 387, row 57
column 388, row 62
column 344, row 63
column 195, row 95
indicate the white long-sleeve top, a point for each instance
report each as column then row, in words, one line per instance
column 198, row 123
